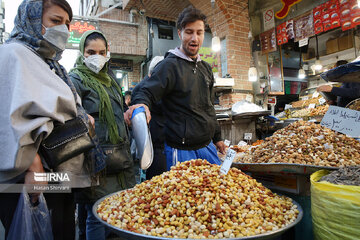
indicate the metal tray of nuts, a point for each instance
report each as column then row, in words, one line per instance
column 280, row 167
column 128, row 235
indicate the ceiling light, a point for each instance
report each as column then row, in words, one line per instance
column 215, row 43
column 119, row 75
column 318, row 66
column 301, row 73
column 252, row 74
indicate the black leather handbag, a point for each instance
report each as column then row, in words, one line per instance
column 118, row 157
column 66, row 141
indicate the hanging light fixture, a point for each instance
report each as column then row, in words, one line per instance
column 215, row 44
column 317, row 66
column 301, row 74
column 252, row 74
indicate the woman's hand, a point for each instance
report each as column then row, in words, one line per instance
column 35, row 167
column 92, row 120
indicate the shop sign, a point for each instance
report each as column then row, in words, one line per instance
column 342, row 120
column 303, row 42
column 77, row 29
column 121, row 64
column 284, row 11
column 210, row 57
column 268, row 19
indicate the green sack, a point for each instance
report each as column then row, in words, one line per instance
column 335, row 209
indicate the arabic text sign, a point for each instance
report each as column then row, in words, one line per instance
column 77, row 29
column 342, row 120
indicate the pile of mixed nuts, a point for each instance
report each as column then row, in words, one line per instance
column 306, row 143
column 194, row 201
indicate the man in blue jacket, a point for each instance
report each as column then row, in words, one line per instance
column 184, row 83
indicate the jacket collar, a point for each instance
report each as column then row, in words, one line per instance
column 177, row 52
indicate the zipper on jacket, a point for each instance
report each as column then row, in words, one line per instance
column 194, row 69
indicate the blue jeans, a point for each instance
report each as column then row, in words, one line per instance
column 174, row 155
column 95, row 230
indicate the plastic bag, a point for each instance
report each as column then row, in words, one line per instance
column 31, row 222
column 335, row 209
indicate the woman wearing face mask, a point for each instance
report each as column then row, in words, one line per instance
column 35, row 93
column 102, row 98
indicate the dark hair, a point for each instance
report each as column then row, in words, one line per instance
column 340, row 62
column 189, row 15
column 127, row 93
column 61, row 3
column 94, row 36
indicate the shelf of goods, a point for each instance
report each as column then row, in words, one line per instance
column 193, row 200
column 302, row 146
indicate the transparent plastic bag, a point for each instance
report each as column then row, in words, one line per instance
column 31, row 222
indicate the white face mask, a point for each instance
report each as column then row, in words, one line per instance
column 95, row 62
column 57, row 36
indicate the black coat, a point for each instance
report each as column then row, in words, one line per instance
column 346, row 93
column 186, row 91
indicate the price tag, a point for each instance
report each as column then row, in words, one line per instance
column 322, row 101
column 305, row 98
column 288, row 106
column 248, row 136
column 227, row 142
column 242, row 143
column 315, row 94
column 249, row 97
column 312, row 105
column 342, row 120
column 303, row 42
column 225, row 167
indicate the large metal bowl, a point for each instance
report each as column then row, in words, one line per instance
column 137, row 236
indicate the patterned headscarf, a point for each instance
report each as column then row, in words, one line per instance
column 27, row 31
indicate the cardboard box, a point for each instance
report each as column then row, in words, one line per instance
column 332, row 45
column 345, row 42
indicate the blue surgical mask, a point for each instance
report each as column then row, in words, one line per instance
column 57, row 36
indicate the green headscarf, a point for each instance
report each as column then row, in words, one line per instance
column 98, row 82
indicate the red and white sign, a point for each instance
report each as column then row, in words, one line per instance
column 269, row 20
column 272, row 100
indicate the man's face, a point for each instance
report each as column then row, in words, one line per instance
column 192, row 37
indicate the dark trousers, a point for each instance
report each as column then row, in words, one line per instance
column 61, row 207
column 159, row 163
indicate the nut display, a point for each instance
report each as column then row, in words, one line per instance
column 306, row 143
column 354, row 105
column 320, row 110
column 301, row 113
column 194, row 201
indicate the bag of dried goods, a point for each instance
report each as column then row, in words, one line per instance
column 335, row 208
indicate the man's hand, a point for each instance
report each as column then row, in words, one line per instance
column 220, row 146
column 128, row 113
column 35, row 167
column 324, row 88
